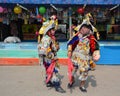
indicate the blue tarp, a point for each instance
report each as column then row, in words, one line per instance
column 62, row 1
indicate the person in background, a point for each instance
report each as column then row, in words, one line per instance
column 80, row 49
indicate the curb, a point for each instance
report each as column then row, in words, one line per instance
column 26, row 61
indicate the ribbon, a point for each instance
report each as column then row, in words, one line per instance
column 70, row 69
column 50, row 70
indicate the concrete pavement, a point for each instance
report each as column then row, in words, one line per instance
column 29, row 81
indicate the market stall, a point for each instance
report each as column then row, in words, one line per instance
column 29, row 15
column 105, row 12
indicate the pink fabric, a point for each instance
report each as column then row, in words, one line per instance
column 70, row 69
column 50, row 70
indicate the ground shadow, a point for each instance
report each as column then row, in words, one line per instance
column 91, row 81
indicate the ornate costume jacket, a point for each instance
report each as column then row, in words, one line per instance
column 82, row 49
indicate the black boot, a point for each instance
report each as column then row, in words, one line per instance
column 83, row 89
column 70, row 85
column 49, row 84
column 58, row 88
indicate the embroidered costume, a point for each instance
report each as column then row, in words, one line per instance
column 48, row 48
column 82, row 49
column 88, row 20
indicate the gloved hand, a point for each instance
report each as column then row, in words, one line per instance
column 96, row 55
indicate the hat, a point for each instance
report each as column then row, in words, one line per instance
column 87, row 26
column 85, row 23
column 47, row 26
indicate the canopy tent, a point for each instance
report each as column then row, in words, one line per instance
column 62, row 1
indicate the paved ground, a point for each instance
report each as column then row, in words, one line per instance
column 29, row 81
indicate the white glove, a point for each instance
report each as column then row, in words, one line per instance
column 96, row 55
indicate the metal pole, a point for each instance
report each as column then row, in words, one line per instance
column 70, row 24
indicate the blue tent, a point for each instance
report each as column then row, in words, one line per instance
column 62, row 1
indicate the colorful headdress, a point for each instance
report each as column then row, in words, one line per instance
column 53, row 23
column 86, row 23
column 47, row 26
